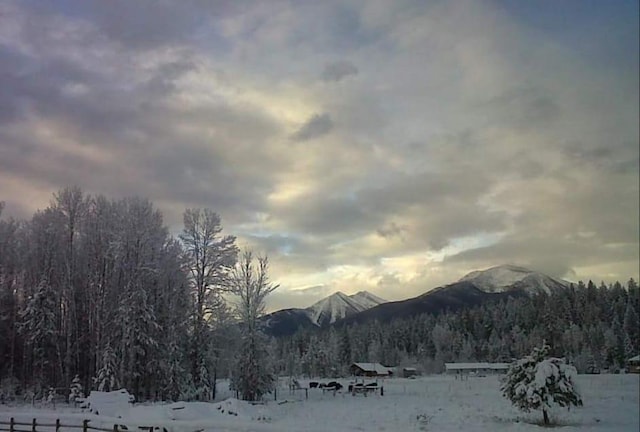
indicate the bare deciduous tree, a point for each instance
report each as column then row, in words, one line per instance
column 252, row 376
column 210, row 256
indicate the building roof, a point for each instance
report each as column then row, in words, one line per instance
column 409, row 369
column 468, row 366
column 634, row 359
column 373, row 367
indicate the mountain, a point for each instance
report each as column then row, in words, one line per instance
column 493, row 284
column 339, row 305
column 321, row 314
column 509, row 277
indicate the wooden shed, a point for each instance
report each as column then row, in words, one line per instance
column 370, row 370
column 633, row 364
column 408, row 372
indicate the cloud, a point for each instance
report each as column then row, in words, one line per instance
column 504, row 141
column 315, row 127
column 337, row 71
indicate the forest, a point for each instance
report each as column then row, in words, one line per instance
column 99, row 289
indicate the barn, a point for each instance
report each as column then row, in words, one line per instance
column 476, row 368
column 633, row 364
column 370, row 370
column 408, row 372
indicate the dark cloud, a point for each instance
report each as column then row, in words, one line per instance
column 391, row 230
column 338, row 70
column 317, row 126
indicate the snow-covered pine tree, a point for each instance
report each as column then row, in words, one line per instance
column 174, row 372
column 38, row 325
column 51, row 396
column 106, row 379
column 538, row 382
column 252, row 376
column 75, row 390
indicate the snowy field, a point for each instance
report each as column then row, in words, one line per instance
column 435, row 403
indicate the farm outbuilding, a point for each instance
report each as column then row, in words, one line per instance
column 476, row 368
column 408, row 372
column 370, row 370
column 633, row 364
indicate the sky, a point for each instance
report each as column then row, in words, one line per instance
column 362, row 145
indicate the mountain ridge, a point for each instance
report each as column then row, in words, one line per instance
column 492, row 284
column 322, row 313
column 479, row 286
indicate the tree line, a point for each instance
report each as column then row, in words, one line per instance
column 99, row 288
column 593, row 327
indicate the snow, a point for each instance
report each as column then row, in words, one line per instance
column 432, row 403
column 113, row 404
column 339, row 305
column 504, row 277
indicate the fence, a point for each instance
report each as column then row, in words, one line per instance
column 14, row 426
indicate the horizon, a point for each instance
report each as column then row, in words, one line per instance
column 385, row 147
column 572, row 282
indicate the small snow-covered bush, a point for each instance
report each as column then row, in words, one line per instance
column 424, row 420
column 538, row 383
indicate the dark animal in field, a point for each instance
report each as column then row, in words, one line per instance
column 313, row 384
column 354, row 386
column 334, row 385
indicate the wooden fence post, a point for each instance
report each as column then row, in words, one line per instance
column 115, row 428
column 33, row 425
column 85, row 425
column 58, row 425
column 11, row 423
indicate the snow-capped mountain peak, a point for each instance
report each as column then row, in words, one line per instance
column 339, row 305
column 366, row 299
column 506, row 277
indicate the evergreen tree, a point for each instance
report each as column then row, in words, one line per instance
column 75, row 390
column 39, row 329
column 106, row 379
column 631, row 327
column 538, row 382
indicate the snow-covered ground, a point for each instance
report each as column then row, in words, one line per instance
column 434, row 403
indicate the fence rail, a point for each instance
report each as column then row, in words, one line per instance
column 34, row 426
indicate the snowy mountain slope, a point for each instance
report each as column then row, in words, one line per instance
column 321, row 314
column 475, row 288
column 478, row 287
column 367, row 300
column 506, row 277
column 339, row 305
